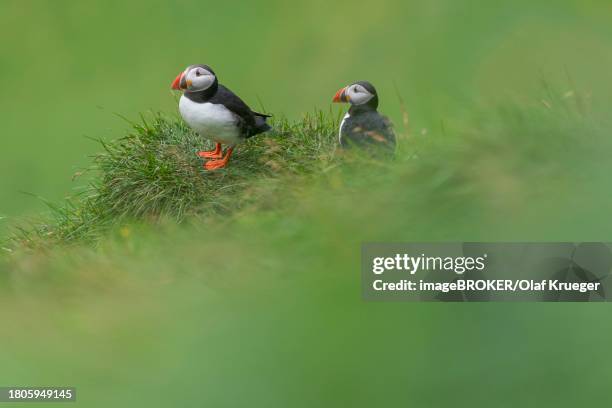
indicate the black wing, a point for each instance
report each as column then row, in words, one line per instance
column 251, row 123
column 368, row 130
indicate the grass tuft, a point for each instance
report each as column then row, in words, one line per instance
column 154, row 173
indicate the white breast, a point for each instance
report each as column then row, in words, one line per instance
column 342, row 124
column 212, row 121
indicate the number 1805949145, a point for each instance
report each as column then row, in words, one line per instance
column 40, row 394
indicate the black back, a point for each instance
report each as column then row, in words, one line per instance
column 368, row 129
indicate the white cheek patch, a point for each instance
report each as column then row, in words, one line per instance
column 360, row 98
column 200, row 83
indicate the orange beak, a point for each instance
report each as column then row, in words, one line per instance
column 341, row 96
column 176, row 85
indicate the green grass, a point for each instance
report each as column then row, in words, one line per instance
column 258, row 287
column 441, row 57
column 159, row 284
column 154, row 173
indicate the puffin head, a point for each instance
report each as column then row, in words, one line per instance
column 195, row 78
column 360, row 93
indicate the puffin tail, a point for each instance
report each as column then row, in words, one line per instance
column 261, row 122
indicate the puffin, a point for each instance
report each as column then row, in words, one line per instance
column 216, row 113
column 363, row 127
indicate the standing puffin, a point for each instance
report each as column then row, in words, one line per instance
column 363, row 126
column 216, row 113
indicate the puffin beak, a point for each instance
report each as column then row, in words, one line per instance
column 341, row 96
column 176, row 85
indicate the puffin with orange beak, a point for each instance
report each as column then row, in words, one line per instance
column 363, row 126
column 216, row 113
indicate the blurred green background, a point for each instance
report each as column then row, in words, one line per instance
column 265, row 310
column 66, row 67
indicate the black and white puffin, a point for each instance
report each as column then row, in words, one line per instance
column 216, row 113
column 363, row 126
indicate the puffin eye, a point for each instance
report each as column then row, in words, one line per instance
column 198, row 73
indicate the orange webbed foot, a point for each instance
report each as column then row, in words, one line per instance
column 213, row 154
column 215, row 164
column 210, row 155
column 219, row 164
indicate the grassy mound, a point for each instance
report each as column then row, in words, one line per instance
column 154, row 173
column 510, row 161
column 507, row 160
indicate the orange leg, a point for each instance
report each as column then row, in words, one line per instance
column 218, row 164
column 213, row 154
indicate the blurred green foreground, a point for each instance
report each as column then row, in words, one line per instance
column 259, row 306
